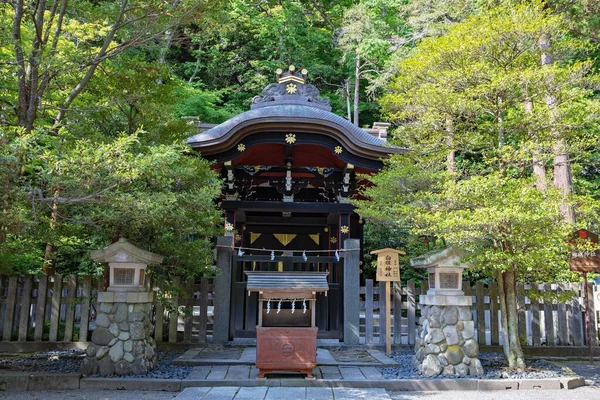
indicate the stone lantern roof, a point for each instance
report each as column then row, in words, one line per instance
column 125, row 252
column 446, row 258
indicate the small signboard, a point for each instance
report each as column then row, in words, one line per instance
column 586, row 260
column 388, row 265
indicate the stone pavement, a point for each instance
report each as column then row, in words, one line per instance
column 278, row 393
column 244, row 372
column 234, row 355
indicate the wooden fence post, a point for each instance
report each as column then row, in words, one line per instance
column 480, row 306
column 9, row 315
column 536, row 337
column 521, row 312
column 382, row 316
column 55, row 313
column 174, row 315
column 549, row 318
column 189, row 304
column 25, row 308
column 411, row 306
column 203, row 309
column 494, row 325
column 576, row 320
column 563, row 332
column 40, row 308
column 397, row 296
column 70, row 308
column 593, row 323
column 84, row 322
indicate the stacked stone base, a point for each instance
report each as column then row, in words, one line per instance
column 122, row 342
column 445, row 343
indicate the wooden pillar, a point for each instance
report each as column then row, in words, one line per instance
column 222, row 299
column 351, row 292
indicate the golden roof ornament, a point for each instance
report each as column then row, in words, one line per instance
column 291, row 88
column 291, row 75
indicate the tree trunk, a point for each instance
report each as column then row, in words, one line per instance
column 539, row 168
column 562, row 165
column 510, row 326
column 347, row 94
column 356, row 89
column 451, row 158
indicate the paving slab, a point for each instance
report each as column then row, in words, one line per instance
column 191, row 353
column 194, row 393
column 351, row 373
column 252, row 393
column 371, row 373
column 329, row 372
column 199, row 372
column 248, row 355
column 324, row 357
column 327, row 369
column 357, row 393
column 222, row 393
column 289, row 393
column 319, row 393
column 218, row 372
column 382, row 358
column 238, row 372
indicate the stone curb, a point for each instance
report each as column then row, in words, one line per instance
column 212, row 361
column 22, row 382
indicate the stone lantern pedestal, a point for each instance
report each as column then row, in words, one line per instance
column 122, row 342
column 445, row 343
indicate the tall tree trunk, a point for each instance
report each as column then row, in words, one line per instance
column 451, row 158
column 562, row 165
column 347, row 95
column 162, row 59
column 510, row 326
column 539, row 168
column 356, row 88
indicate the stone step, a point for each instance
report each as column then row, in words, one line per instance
column 277, row 393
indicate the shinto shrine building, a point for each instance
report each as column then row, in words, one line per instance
column 289, row 167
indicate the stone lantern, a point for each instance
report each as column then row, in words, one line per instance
column 444, row 272
column 127, row 265
column 122, row 341
column 445, row 343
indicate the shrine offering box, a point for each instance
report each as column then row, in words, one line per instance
column 286, row 335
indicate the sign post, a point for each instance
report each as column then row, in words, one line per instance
column 585, row 261
column 388, row 270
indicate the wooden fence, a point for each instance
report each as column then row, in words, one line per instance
column 550, row 323
column 66, row 309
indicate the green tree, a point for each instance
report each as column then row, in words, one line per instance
column 472, row 104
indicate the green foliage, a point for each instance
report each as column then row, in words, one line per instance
column 464, row 94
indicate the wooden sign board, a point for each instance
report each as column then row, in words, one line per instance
column 585, row 260
column 388, row 265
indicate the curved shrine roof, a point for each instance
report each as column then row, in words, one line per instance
column 291, row 106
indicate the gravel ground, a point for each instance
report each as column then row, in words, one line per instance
column 69, row 361
column 494, row 365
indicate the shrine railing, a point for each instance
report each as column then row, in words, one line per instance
column 66, row 310
column 558, row 321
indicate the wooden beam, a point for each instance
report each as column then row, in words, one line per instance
column 307, row 207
